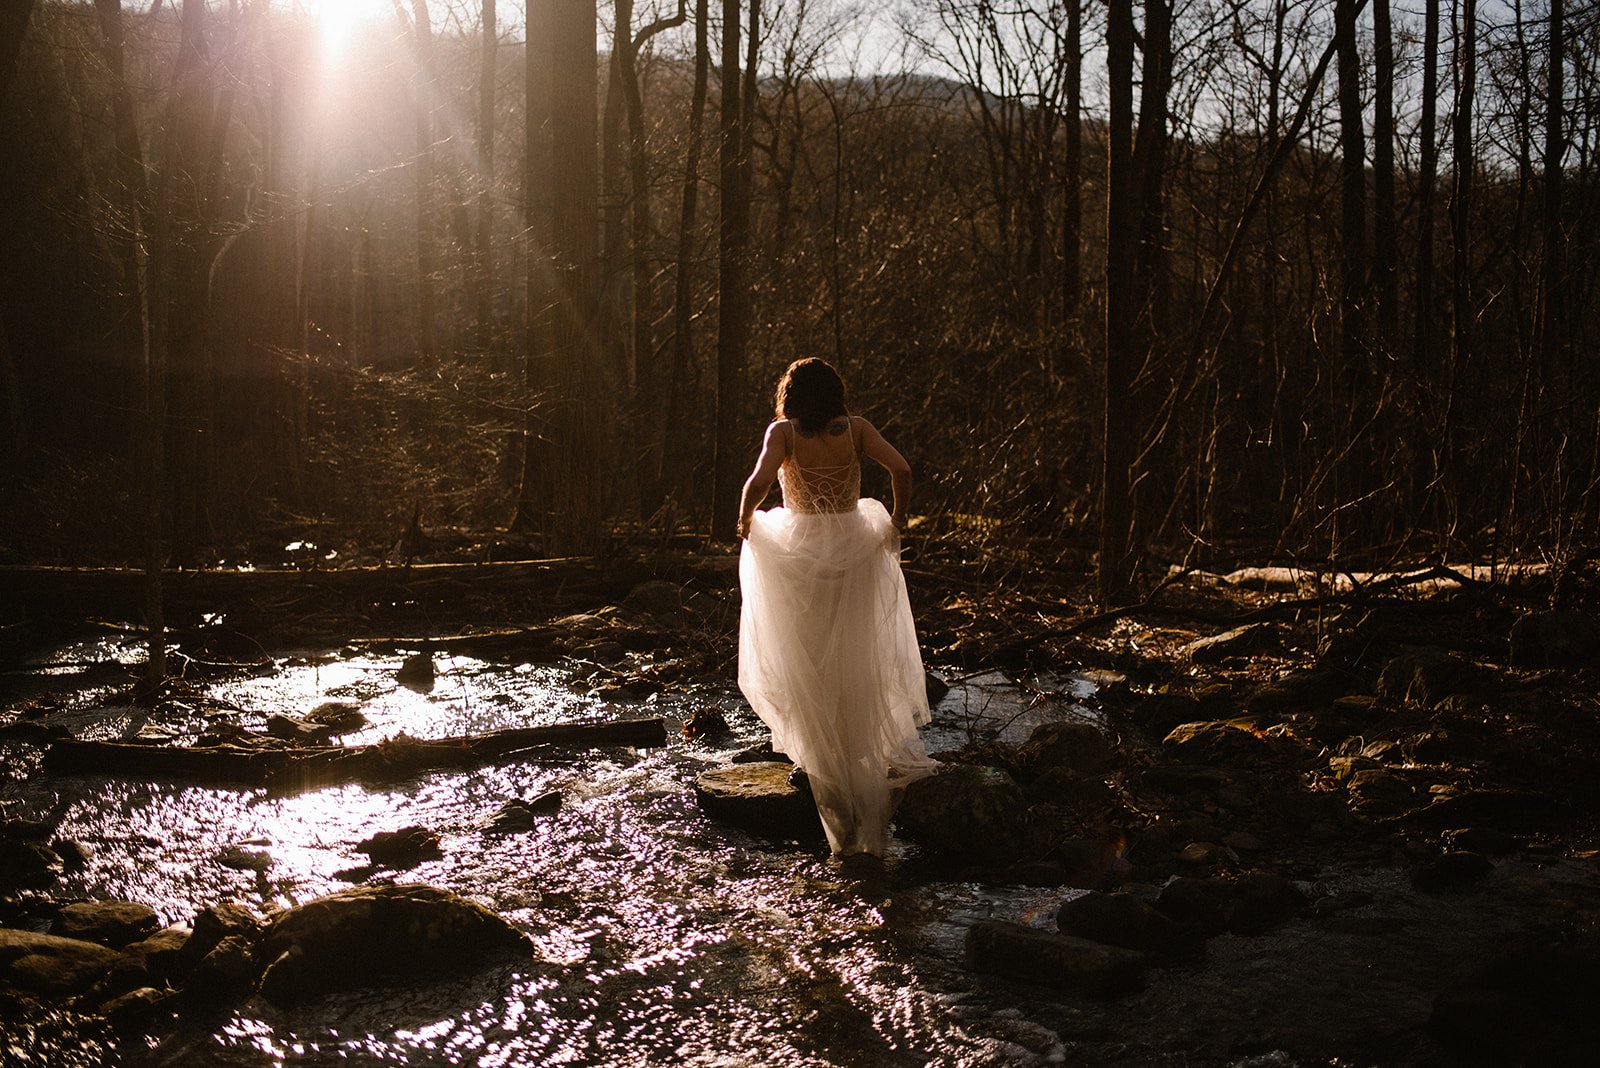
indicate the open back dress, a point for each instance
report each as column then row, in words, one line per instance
column 828, row 653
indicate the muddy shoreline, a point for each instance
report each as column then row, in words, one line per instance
column 1414, row 762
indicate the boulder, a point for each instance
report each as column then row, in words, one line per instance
column 761, row 798
column 27, row 864
column 1249, row 904
column 338, row 717
column 405, row 848
column 1218, row 741
column 656, row 597
column 296, row 731
column 965, row 811
column 1029, row 955
column 135, row 1011
column 1561, row 638
column 212, row 925
column 1298, row 690
column 1164, row 711
column 1449, row 870
column 226, row 973
column 157, row 956
column 1249, row 640
column 111, row 923
column 51, row 965
column 518, row 815
column 1127, row 921
column 417, row 672
column 935, row 686
column 1426, row 676
column 369, row 936
column 1079, row 748
column 1063, row 787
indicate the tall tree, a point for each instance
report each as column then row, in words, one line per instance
column 1072, row 166
column 1550, row 302
column 683, row 270
column 422, row 41
column 1427, row 181
column 1384, row 226
column 483, row 265
column 1353, row 193
column 733, row 283
column 1112, row 574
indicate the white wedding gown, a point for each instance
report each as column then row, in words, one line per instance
column 828, row 653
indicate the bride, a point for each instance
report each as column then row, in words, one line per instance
column 828, row 653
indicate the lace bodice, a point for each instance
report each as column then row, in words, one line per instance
column 834, row 488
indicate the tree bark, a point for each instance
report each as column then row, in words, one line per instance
column 733, row 320
column 676, row 460
column 1353, row 197
column 1461, row 300
column 1112, row 572
column 1384, row 225
column 1550, row 264
column 422, row 30
column 1072, row 186
column 1427, row 181
column 483, row 268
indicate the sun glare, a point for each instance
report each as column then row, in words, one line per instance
column 340, row 21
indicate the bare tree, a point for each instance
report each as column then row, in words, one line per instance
column 1112, row 574
column 733, row 328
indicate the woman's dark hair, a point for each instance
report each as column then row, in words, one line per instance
column 812, row 393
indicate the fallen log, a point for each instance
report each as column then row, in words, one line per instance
column 291, row 771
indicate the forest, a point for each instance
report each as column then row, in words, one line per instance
column 379, row 380
column 1193, row 281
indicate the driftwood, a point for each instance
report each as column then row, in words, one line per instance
column 296, row 770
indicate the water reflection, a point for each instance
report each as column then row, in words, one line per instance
column 660, row 938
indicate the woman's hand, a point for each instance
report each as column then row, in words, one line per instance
column 742, row 528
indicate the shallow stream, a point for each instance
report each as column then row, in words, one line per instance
column 661, row 937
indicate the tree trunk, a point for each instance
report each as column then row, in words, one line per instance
column 1550, row 289
column 535, row 487
column 1461, row 301
column 483, row 268
column 1112, row 574
column 422, row 28
column 13, row 27
column 1384, row 225
column 1072, row 187
column 733, row 325
column 14, row 17
column 1427, row 180
column 1353, row 196
column 679, row 463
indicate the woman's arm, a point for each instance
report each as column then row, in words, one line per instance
column 875, row 446
column 774, row 450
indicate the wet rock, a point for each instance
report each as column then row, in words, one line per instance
column 373, row 935
column 1426, row 676
column 22, row 829
column 656, row 597
column 1483, row 840
column 760, row 754
column 1199, row 854
column 1448, row 870
column 338, row 717
column 1532, row 1006
column 158, row 955
column 226, row 973
column 417, row 671
column 1028, row 955
column 760, row 798
column 1251, row 903
column 705, row 722
column 405, row 848
column 1378, row 791
column 1298, row 690
column 1078, row 748
column 607, row 652
column 1344, row 768
column 214, row 924
column 51, row 965
column 1228, row 741
column 1561, row 638
column 1250, row 640
column 517, row 815
column 1091, row 863
column 1063, row 787
column 966, row 812
column 634, row 689
column 936, row 687
column 242, row 859
column 1503, row 808
column 27, row 864
column 138, row 1009
column 1434, row 747
column 1164, row 711
column 1127, row 921
column 1109, row 686
column 110, row 923
column 297, row 731
column 74, row 855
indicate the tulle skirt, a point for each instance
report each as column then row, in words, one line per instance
column 828, row 658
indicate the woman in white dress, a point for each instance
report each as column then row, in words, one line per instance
column 828, row 653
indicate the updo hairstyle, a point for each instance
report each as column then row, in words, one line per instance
column 811, row 393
